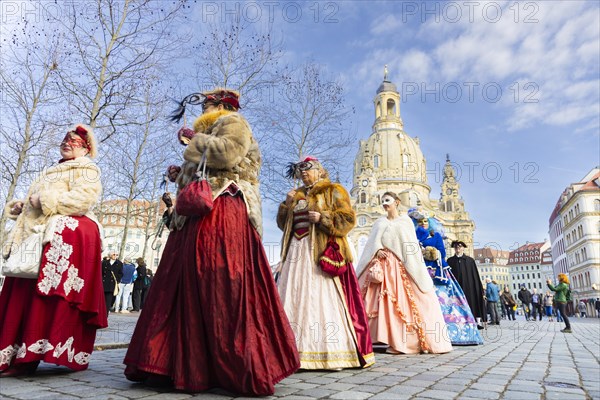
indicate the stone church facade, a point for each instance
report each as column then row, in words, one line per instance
column 391, row 160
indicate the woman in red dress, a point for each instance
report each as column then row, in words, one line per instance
column 213, row 317
column 54, row 318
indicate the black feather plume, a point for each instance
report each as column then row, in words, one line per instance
column 290, row 170
column 193, row 99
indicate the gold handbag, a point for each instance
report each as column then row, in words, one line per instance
column 116, row 290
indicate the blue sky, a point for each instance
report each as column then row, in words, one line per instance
column 510, row 90
column 516, row 149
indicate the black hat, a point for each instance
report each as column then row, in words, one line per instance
column 457, row 242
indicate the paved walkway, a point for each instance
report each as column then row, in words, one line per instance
column 519, row 360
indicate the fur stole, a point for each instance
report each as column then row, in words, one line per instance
column 398, row 236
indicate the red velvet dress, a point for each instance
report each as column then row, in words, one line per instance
column 213, row 317
column 55, row 318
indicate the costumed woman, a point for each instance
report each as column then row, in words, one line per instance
column 324, row 308
column 213, row 317
column 53, row 316
column 461, row 325
column 465, row 271
column 399, row 296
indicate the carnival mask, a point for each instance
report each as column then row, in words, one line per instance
column 387, row 200
column 73, row 142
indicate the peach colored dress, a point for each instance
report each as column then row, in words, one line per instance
column 400, row 300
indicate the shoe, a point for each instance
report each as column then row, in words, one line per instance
column 20, row 369
column 479, row 327
column 125, row 311
column 566, row 331
column 391, row 350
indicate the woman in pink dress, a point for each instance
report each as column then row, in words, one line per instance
column 54, row 318
column 399, row 296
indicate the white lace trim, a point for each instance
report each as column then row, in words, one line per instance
column 43, row 346
column 58, row 262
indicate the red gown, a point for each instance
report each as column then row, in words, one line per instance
column 55, row 318
column 213, row 317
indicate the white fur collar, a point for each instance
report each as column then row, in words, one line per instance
column 398, row 235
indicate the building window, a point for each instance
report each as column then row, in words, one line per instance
column 391, row 107
column 376, row 162
column 363, row 197
column 596, row 205
column 362, row 220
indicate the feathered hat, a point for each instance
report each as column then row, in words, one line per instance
column 86, row 133
column 216, row 96
column 293, row 170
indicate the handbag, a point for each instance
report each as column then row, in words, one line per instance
column 332, row 261
column 195, row 199
column 116, row 289
column 24, row 260
column 375, row 274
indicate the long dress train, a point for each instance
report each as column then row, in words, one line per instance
column 54, row 318
column 331, row 329
column 400, row 314
column 460, row 323
column 213, row 317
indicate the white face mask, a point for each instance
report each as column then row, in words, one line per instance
column 389, row 200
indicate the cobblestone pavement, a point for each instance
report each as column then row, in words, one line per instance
column 519, row 360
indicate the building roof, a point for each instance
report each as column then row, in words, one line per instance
column 492, row 254
column 526, row 254
column 387, row 86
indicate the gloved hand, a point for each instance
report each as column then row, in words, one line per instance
column 173, row 171
column 166, row 198
column 185, row 135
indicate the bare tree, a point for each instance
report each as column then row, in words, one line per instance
column 311, row 118
column 137, row 159
column 27, row 69
column 122, row 43
column 240, row 57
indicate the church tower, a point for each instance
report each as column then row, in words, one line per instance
column 391, row 160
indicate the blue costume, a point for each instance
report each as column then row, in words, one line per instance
column 462, row 326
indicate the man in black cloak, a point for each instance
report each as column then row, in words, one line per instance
column 467, row 275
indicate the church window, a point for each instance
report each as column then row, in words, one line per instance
column 362, row 221
column 405, row 162
column 449, row 205
column 378, row 110
column 363, row 197
column 391, row 107
column 596, row 205
column 376, row 161
column 413, row 199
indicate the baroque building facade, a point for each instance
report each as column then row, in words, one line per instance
column 526, row 265
column 391, row 160
column 492, row 263
column 574, row 228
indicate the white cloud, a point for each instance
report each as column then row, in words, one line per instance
column 385, row 24
column 559, row 54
